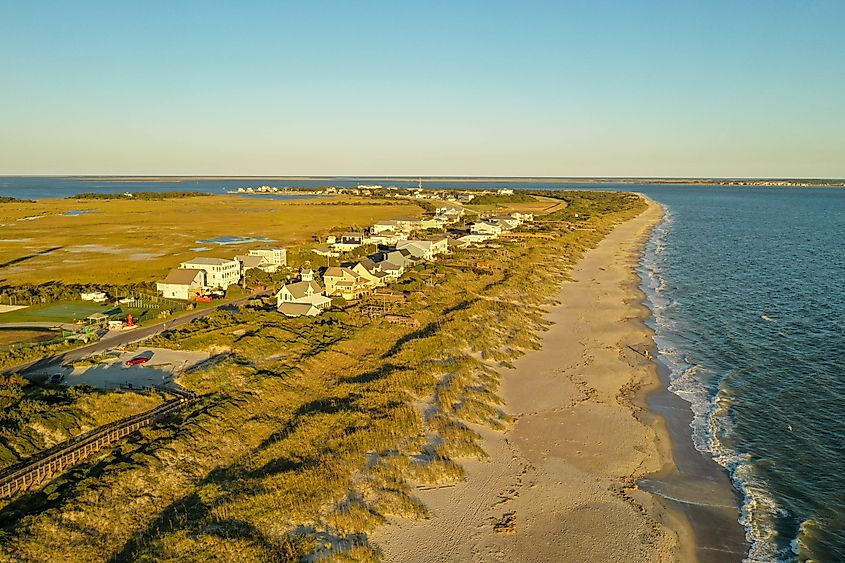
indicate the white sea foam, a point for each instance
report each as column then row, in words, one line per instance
column 711, row 426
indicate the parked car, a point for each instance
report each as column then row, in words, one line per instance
column 56, row 378
column 137, row 361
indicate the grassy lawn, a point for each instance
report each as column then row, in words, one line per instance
column 62, row 312
column 120, row 242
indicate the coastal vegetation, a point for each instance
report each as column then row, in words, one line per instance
column 309, row 432
column 129, row 241
column 35, row 416
column 7, row 199
column 143, row 196
column 492, row 199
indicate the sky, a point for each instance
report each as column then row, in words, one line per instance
column 673, row 88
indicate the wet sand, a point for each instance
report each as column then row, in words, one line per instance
column 562, row 483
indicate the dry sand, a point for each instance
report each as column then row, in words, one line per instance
column 560, row 484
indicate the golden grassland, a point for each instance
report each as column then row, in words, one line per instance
column 120, row 241
column 312, row 431
column 35, row 417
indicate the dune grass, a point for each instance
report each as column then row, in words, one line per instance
column 311, row 432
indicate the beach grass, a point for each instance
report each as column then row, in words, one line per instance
column 309, row 433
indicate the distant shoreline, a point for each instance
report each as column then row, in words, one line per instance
column 783, row 182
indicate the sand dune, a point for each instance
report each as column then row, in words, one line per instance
column 560, row 483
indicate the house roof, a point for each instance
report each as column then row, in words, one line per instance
column 421, row 244
column 335, row 272
column 268, row 248
column 206, row 261
column 385, row 265
column 296, row 309
column 299, row 289
column 182, row 276
column 251, row 261
column 368, row 264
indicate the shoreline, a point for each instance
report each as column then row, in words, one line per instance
column 694, row 483
column 562, row 481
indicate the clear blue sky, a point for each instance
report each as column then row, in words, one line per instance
column 567, row 88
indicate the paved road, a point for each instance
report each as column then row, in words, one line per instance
column 122, row 338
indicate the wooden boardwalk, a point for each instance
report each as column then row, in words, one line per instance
column 49, row 463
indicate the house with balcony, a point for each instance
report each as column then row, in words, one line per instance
column 220, row 273
column 343, row 282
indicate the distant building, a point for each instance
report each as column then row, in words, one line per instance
column 485, row 228
column 219, row 272
column 299, row 310
column 371, row 272
column 303, row 292
column 345, row 283
column 349, row 241
column 254, row 262
column 95, row 296
column 182, row 283
column 274, row 255
column 424, row 249
column 504, row 191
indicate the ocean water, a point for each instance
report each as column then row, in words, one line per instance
column 747, row 287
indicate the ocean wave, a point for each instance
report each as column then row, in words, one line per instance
column 711, row 427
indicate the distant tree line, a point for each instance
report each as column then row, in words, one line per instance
column 147, row 196
column 489, row 199
column 7, row 199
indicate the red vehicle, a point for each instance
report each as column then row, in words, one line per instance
column 137, row 361
column 204, row 299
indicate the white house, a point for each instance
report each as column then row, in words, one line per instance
column 219, row 272
column 506, row 222
column 303, row 292
column 182, row 283
column 385, row 227
column 349, row 241
column 485, row 228
column 504, row 191
column 95, row 296
column 425, row 249
column 275, row 256
column 255, row 262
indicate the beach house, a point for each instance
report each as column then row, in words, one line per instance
column 345, row 283
column 485, row 228
column 254, row 262
column 349, row 241
column 302, row 293
column 220, row 273
column 182, row 283
column 371, row 272
column 275, row 257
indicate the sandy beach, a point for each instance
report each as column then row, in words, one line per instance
column 560, row 483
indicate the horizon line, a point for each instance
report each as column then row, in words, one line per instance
column 423, row 177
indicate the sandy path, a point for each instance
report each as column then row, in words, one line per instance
column 563, row 475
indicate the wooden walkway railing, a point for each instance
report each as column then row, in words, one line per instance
column 53, row 461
